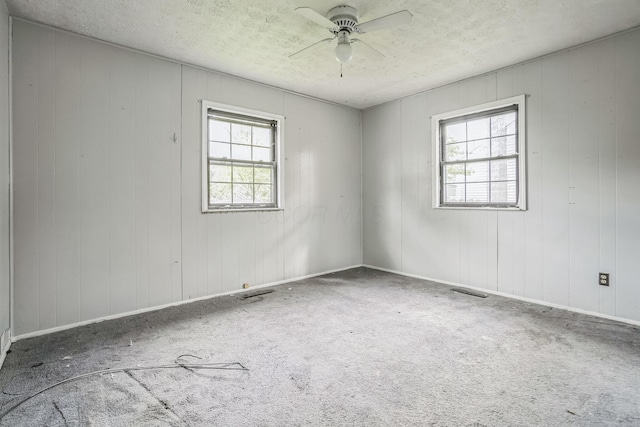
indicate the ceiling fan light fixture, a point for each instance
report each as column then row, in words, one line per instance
column 344, row 52
column 342, row 22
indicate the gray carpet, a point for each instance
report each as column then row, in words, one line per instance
column 356, row 348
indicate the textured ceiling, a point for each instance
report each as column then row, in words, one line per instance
column 448, row 40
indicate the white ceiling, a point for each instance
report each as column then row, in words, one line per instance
column 448, row 40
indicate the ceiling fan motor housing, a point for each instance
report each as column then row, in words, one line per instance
column 345, row 18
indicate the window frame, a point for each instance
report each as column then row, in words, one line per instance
column 466, row 114
column 278, row 185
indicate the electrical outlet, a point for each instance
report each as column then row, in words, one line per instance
column 603, row 279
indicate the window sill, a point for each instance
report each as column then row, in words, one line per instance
column 230, row 210
column 479, row 208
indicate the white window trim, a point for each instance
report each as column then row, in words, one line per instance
column 279, row 156
column 521, row 204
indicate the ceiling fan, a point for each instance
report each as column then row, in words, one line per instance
column 342, row 22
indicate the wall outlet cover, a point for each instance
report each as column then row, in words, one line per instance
column 603, row 279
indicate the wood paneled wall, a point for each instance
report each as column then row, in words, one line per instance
column 583, row 139
column 107, row 184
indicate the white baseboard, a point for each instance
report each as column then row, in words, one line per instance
column 173, row 304
column 9, row 339
column 5, row 344
column 502, row 294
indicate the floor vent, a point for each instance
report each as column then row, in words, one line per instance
column 469, row 292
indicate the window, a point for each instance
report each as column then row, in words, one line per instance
column 479, row 156
column 241, row 168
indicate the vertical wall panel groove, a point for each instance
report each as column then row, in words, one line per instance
column 5, row 178
column 584, row 179
column 94, row 207
column 555, row 172
column 67, row 109
column 607, row 153
column 46, row 124
column 142, row 184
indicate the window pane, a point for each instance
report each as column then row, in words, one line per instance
column 241, row 152
column 478, row 149
column 499, row 146
column 503, row 124
column 503, row 170
column 219, row 193
column 242, row 193
column 262, row 137
column 220, row 173
column 456, row 151
column 478, row 128
column 262, row 175
column 263, row 193
column 454, row 173
column 240, row 134
column 478, row 192
column 219, row 150
column 503, row 192
column 455, row 133
column 511, row 144
column 242, row 174
column 503, row 146
column 454, row 193
column 512, row 192
column 219, row 131
column 478, row 171
column 261, row 154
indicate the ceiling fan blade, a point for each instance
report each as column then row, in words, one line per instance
column 367, row 51
column 310, row 46
column 398, row 18
column 314, row 16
